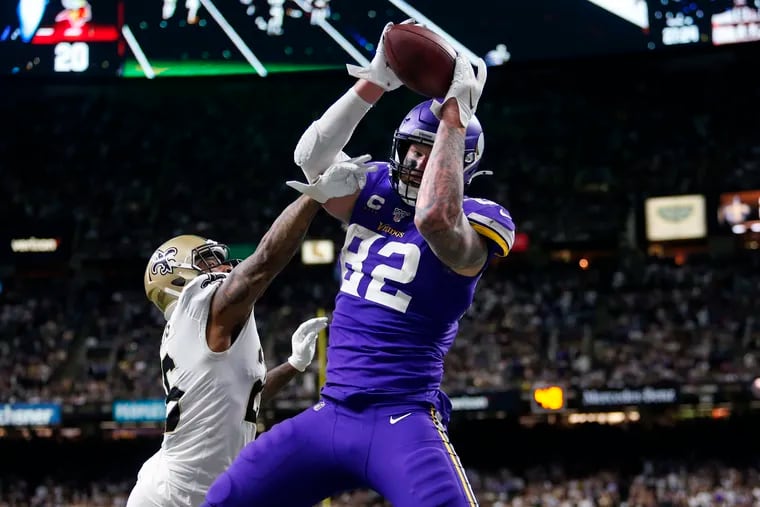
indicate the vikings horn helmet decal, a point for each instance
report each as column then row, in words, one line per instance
column 420, row 126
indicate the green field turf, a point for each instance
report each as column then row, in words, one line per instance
column 179, row 68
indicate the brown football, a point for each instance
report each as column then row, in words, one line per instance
column 421, row 59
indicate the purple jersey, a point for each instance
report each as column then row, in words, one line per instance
column 395, row 318
column 398, row 308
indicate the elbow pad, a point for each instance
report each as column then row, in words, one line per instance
column 323, row 141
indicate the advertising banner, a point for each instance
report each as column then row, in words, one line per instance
column 30, row 414
column 139, row 411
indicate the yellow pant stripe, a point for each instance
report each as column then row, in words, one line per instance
column 454, row 460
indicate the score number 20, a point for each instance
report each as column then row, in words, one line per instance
column 71, row 57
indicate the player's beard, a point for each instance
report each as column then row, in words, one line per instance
column 408, row 192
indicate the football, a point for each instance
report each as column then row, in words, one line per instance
column 421, row 59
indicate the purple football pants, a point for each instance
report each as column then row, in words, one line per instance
column 401, row 451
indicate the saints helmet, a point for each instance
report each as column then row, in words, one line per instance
column 177, row 262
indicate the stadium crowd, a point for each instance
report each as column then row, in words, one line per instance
column 656, row 484
column 121, row 171
column 609, row 326
column 592, row 150
column 90, row 335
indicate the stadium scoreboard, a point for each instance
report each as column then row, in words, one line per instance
column 165, row 38
column 48, row 37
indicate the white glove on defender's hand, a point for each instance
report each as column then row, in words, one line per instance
column 465, row 87
column 340, row 179
column 378, row 71
column 305, row 342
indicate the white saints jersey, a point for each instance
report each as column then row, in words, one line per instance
column 212, row 399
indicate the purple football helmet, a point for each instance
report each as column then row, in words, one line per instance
column 420, row 126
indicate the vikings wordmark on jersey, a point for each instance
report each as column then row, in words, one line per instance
column 381, row 423
column 395, row 295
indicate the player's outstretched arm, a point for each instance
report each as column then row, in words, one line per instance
column 233, row 300
column 277, row 378
column 304, row 342
column 323, row 141
column 438, row 214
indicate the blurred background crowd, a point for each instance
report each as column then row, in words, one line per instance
column 672, row 484
column 122, row 168
column 571, row 162
column 608, row 326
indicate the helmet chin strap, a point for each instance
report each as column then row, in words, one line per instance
column 478, row 173
column 170, row 310
column 171, row 306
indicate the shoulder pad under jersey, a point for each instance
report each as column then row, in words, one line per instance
column 492, row 221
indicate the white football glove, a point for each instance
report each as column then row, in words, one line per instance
column 378, row 71
column 340, row 179
column 305, row 342
column 466, row 87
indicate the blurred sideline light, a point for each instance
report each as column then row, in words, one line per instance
column 547, row 398
column 604, row 417
column 318, row 251
column 675, row 217
column 34, row 245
